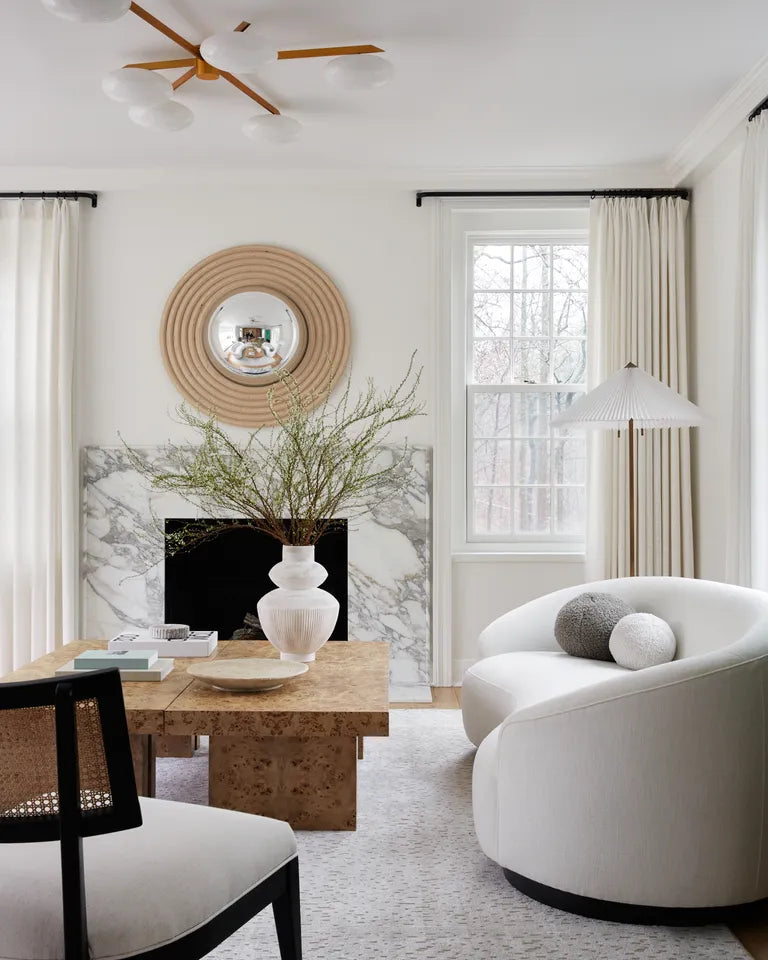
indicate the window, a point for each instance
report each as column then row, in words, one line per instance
column 526, row 361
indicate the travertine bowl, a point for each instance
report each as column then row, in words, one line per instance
column 247, row 674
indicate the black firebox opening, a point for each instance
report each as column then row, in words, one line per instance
column 215, row 585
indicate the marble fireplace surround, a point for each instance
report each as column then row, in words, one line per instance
column 389, row 561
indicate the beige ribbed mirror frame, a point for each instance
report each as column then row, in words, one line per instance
column 307, row 291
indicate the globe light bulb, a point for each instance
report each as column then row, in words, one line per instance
column 88, row 11
column 236, row 52
column 137, row 87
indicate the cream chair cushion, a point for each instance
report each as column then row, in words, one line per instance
column 144, row 887
column 497, row 686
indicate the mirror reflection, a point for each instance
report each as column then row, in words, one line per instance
column 253, row 334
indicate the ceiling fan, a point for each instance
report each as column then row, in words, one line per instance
column 148, row 94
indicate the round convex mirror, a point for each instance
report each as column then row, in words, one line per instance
column 254, row 334
column 243, row 317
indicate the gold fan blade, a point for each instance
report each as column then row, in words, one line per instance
column 327, row 52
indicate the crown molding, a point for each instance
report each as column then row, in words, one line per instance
column 719, row 123
column 409, row 178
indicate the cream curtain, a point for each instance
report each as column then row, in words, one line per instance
column 747, row 552
column 638, row 312
column 38, row 506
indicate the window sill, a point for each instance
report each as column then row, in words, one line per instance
column 518, row 556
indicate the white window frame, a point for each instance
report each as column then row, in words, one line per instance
column 559, row 222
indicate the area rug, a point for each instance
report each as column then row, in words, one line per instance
column 412, row 883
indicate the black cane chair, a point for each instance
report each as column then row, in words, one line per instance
column 179, row 883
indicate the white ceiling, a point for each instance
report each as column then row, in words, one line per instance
column 491, row 84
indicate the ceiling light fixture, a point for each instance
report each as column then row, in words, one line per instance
column 137, row 88
column 238, row 52
column 218, row 57
column 88, row 11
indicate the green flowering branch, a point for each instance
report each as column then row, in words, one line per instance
column 293, row 481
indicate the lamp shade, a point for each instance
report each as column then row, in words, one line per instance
column 238, row 52
column 88, row 11
column 631, row 394
column 136, row 87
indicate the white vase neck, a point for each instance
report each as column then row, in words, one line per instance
column 298, row 570
column 299, row 554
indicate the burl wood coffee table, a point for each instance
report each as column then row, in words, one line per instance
column 145, row 703
column 291, row 753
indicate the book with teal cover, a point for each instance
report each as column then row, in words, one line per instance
column 158, row 671
column 124, row 659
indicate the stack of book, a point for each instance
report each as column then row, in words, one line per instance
column 133, row 664
column 196, row 643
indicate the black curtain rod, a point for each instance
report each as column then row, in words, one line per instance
column 758, row 110
column 52, row 195
column 673, row 192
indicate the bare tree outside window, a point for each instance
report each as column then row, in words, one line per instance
column 528, row 363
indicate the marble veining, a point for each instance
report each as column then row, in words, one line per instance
column 389, row 558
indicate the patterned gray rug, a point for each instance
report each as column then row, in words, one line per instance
column 412, row 882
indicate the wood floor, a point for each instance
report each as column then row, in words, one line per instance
column 753, row 935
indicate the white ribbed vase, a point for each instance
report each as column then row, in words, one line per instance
column 298, row 617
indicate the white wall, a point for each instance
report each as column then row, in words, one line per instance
column 377, row 247
column 484, row 589
column 714, row 271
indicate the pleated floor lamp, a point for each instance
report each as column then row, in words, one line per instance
column 631, row 399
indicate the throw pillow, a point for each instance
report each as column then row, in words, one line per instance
column 583, row 626
column 642, row 640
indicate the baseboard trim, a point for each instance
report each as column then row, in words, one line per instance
column 630, row 912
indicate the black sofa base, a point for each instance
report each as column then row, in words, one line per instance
column 630, row 912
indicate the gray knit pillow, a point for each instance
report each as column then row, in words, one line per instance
column 583, row 626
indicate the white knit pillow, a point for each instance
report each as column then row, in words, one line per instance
column 642, row 640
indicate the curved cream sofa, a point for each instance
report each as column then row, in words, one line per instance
column 630, row 795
